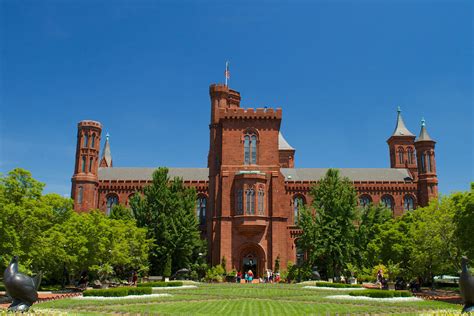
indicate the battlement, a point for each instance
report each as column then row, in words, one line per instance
column 227, row 97
column 250, row 113
column 89, row 123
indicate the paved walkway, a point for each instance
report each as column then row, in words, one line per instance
column 42, row 296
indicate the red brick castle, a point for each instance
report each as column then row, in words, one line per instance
column 250, row 192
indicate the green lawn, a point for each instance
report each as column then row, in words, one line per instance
column 241, row 299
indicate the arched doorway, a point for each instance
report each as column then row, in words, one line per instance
column 252, row 257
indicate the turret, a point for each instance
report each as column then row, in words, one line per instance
column 427, row 178
column 85, row 179
column 401, row 146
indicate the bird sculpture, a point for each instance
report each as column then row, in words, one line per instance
column 466, row 285
column 21, row 288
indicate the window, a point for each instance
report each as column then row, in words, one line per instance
column 93, row 141
column 299, row 255
column 365, row 200
column 201, row 210
column 111, row 201
column 250, row 197
column 428, row 162
column 400, row 155
column 240, row 202
column 250, row 149
column 83, row 163
column 86, row 140
column 261, row 202
column 410, row 155
column 80, row 193
column 298, row 202
column 387, row 201
column 91, row 161
column 423, row 168
column 408, row 203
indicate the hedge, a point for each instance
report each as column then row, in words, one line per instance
column 119, row 291
column 381, row 293
column 338, row 285
column 160, row 284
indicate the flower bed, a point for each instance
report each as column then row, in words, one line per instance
column 118, row 292
column 160, row 284
column 381, row 293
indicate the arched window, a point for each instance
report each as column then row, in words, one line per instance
column 111, row 201
column 428, row 161
column 86, row 140
column 250, row 197
column 93, row 141
column 91, row 161
column 261, row 201
column 410, row 155
column 423, row 166
column 240, row 202
column 298, row 203
column 400, row 155
column 83, row 163
column 387, row 201
column 364, row 200
column 201, row 209
column 80, row 193
column 408, row 203
column 250, row 149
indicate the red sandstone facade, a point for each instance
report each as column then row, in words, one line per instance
column 248, row 196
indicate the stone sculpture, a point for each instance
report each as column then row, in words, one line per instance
column 466, row 285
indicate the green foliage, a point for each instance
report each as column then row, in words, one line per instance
column 464, row 221
column 223, row 264
column 299, row 273
column 337, row 285
column 215, row 274
column 381, row 293
column 167, row 268
column 160, row 284
column 119, row 291
column 167, row 210
column 328, row 226
column 120, row 212
column 277, row 264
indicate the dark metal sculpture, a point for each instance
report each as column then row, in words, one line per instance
column 315, row 274
column 21, row 288
column 466, row 285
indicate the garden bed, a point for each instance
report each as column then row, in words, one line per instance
column 333, row 288
column 374, row 299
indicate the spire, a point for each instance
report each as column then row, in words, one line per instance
column 400, row 128
column 282, row 143
column 106, row 160
column 423, row 132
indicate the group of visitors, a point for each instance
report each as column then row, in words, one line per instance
column 248, row 277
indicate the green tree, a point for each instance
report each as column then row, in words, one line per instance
column 119, row 211
column 328, row 226
column 464, row 221
column 167, row 210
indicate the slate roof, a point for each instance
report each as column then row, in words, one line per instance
column 282, row 143
column 106, row 153
column 400, row 128
column 188, row 174
column 354, row 174
column 423, row 133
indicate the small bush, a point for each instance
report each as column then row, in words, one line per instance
column 337, row 285
column 160, row 284
column 381, row 293
column 139, row 290
column 120, row 291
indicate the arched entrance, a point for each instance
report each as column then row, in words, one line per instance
column 252, row 257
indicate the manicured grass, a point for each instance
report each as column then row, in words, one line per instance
column 243, row 299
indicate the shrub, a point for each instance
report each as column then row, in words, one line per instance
column 139, row 290
column 381, row 293
column 160, row 284
column 119, row 291
column 338, row 285
column 215, row 274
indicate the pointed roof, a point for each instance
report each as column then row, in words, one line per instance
column 106, row 160
column 282, row 143
column 400, row 128
column 423, row 132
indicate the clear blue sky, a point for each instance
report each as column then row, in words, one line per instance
column 339, row 69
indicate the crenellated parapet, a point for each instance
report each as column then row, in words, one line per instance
column 250, row 113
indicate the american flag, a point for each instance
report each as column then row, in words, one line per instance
column 227, row 72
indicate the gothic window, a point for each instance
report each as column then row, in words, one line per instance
column 400, row 155
column 387, row 201
column 423, row 167
column 365, row 200
column 111, row 201
column 410, row 155
column 91, row 161
column 86, row 140
column 428, row 162
column 261, row 202
column 201, row 209
column 83, row 163
column 240, row 202
column 250, row 197
column 93, row 141
column 408, row 203
column 80, row 193
column 298, row 203
column 250, row 149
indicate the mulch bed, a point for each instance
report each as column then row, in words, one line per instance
column 42, row 297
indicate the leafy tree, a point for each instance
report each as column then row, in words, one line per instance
column 328, row 228
column 464, row 221
column 119, row 211
column 167, row 210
